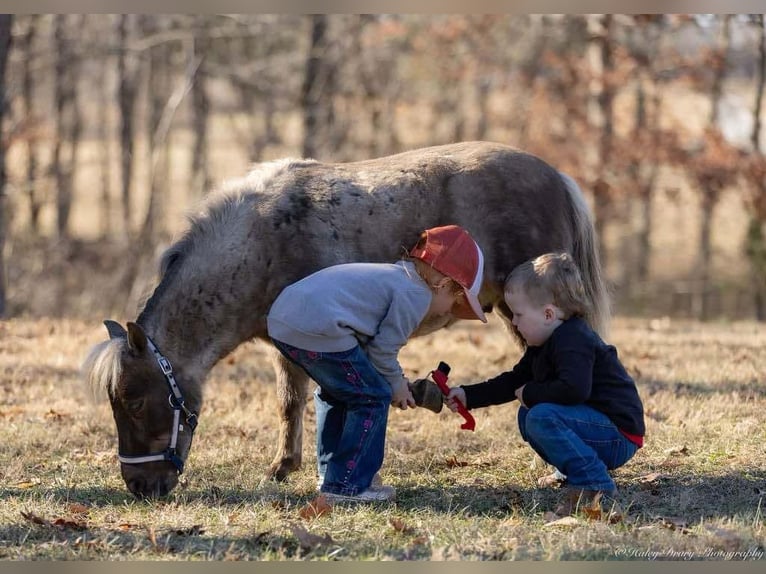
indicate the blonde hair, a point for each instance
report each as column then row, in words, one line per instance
column 432, row 276
column 551, row 278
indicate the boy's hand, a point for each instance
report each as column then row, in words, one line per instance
column 455, row 393
column 402, row 397
column 519, row 395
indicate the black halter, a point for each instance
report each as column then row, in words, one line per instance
column 176, row 400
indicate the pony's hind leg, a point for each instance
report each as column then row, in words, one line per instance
column 292, row 383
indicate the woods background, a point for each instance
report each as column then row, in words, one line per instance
column 114, row 126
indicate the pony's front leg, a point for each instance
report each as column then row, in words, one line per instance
column 292, row 383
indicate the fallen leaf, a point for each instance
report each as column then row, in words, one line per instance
column 316, row 508
column 78, row 509
column 652, row 477
column 56, row 416
column 13, row 411
column 453, row 462
column 58, row 522
column 28, row 483
column 152, row 536
column 307, row 540
column 71, row 524
column 399, row 526
column 32, row 517
column 126, row 526
column 675, row 523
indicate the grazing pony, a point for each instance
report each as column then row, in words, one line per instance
column 287, row 219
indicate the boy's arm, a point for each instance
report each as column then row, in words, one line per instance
column 403, row 317
column 573, row 367
column 499, row 389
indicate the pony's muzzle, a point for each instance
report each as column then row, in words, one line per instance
column 149, row 485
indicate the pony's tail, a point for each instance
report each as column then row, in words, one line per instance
column 586, row 254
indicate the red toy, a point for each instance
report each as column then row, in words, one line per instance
column 439, row 377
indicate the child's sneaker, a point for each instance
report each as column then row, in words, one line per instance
column 380, row 493
column 376, row 481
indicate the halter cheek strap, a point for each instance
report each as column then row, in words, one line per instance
column 176, row 400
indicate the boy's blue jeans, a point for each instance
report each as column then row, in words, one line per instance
column 352, row 404
column 580, row 441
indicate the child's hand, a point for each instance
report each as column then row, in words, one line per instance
column 402, row 397
column 519, row 394
column 455, row 393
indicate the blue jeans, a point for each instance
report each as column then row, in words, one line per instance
column 580, row 441
column 352, row 404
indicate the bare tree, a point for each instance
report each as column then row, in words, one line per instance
column 68, row 120
column 709, row 174
column 127, row 78
column 319, row 91
column 6, row 22
column 201, row 106
column 755, row 241
column 158, row 86
column 604, row 96
column 105, row 100
column 27, row 47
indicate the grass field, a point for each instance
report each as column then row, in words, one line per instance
column 696, row 490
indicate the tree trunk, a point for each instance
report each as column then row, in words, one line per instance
column 28, row 98
column 755, row 248
column 67, row 125
column 710, row 192
column 605, row 98
column 158, row 68
column 127, row 80
column 104, row 136
column 6, row 22
column 201, row 104
column 311, row 96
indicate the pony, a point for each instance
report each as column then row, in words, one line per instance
column 286, row 219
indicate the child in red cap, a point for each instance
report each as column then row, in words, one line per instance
column 345, row 324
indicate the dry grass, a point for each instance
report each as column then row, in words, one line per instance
column 696, row 488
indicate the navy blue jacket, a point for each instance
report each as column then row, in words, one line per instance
column 574, row 366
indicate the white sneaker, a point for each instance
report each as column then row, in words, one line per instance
column 380, row 493
column 376, row 481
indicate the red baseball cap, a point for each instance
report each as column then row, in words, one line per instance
column 452, row 251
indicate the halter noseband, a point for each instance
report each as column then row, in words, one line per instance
column 176, row 400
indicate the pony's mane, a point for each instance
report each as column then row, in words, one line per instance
column 102, row 367
column 221, row 206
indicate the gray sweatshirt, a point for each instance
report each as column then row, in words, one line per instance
column 375, row 305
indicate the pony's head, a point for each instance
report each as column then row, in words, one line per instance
column 155, row 418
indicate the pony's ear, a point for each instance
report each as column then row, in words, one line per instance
column 136, row 338
column 116, row 330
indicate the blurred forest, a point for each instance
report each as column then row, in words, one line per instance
column 115, row 125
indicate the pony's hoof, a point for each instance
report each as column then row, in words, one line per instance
column 279, row 471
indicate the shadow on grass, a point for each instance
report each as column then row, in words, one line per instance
column 746, row 390
column 692, row 498
column 695, row 496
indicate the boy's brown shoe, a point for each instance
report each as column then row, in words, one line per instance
column 551, row 480
column 594, row 504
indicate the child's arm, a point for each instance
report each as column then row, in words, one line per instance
column 402, row 396
column 455, row 394
column 500, row 389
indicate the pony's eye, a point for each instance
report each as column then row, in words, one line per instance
column 134, row 406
